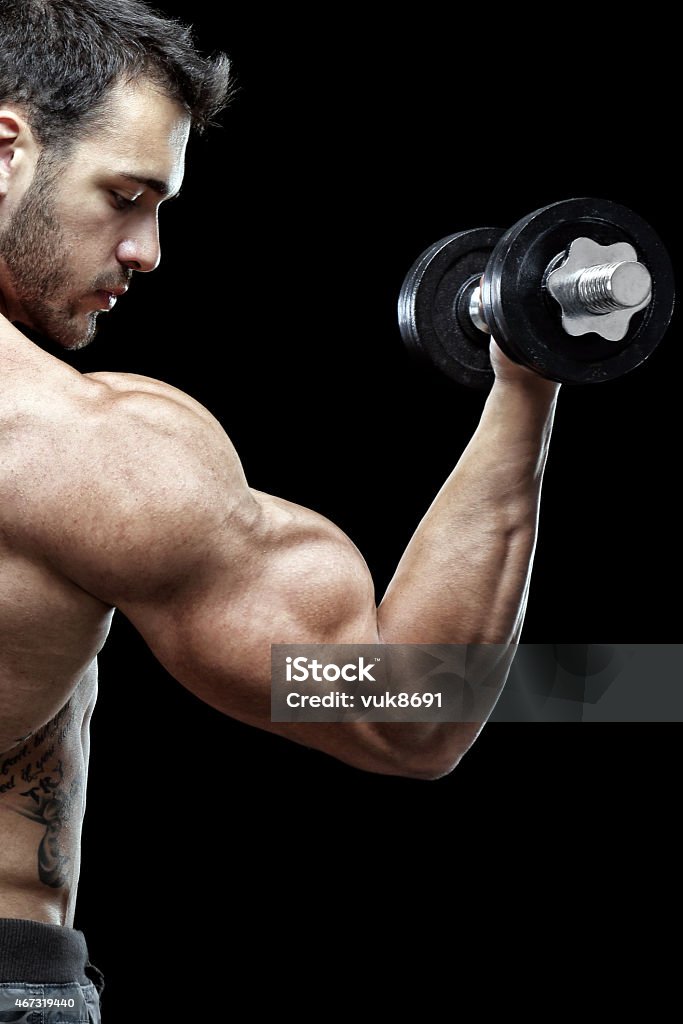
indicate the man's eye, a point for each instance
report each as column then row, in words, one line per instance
column 121, row 203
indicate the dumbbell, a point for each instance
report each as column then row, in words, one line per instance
column 580, row 291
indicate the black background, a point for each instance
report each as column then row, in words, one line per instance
column 352, row 145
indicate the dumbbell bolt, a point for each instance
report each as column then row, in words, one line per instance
column 599, row 287
column 613, row 286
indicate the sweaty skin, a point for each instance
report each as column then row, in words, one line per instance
column 123, row 492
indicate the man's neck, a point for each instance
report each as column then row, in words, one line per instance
column 25, row 352
column 10, row 335
column 20, row 342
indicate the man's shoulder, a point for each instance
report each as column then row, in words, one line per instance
column 135, row 383
column 136, row 474
column 148, row 437
column 131, row 394
column 131, row 417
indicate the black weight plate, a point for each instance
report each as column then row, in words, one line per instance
column 432, row 315
column 526, row 320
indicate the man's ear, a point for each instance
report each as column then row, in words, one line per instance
column 18, row 151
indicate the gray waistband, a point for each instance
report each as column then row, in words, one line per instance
column 38, row 953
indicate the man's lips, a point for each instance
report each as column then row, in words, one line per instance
column 107, row 298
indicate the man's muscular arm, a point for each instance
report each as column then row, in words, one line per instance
column 464, row 576
column 212, row 573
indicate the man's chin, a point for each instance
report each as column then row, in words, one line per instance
column 69, row 337
column 61, row 338
column 77, row 335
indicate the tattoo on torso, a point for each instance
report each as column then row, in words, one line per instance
column 44, row 782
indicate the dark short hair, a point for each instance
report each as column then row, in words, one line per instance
column 59, row 58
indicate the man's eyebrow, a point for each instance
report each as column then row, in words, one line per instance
column 160, row 187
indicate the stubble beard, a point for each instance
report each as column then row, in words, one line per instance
column 37, row 255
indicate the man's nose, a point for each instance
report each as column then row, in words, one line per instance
column 140, row 251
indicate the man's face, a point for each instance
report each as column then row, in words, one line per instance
column 80, row 229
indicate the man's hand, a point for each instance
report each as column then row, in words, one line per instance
column 509, row 372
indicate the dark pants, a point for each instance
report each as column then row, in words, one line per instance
column 46, row 976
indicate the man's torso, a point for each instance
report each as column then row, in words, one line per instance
column 50, row 633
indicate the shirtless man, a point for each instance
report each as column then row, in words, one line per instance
column 123, row 492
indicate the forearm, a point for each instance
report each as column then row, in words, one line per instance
column 465, row 574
